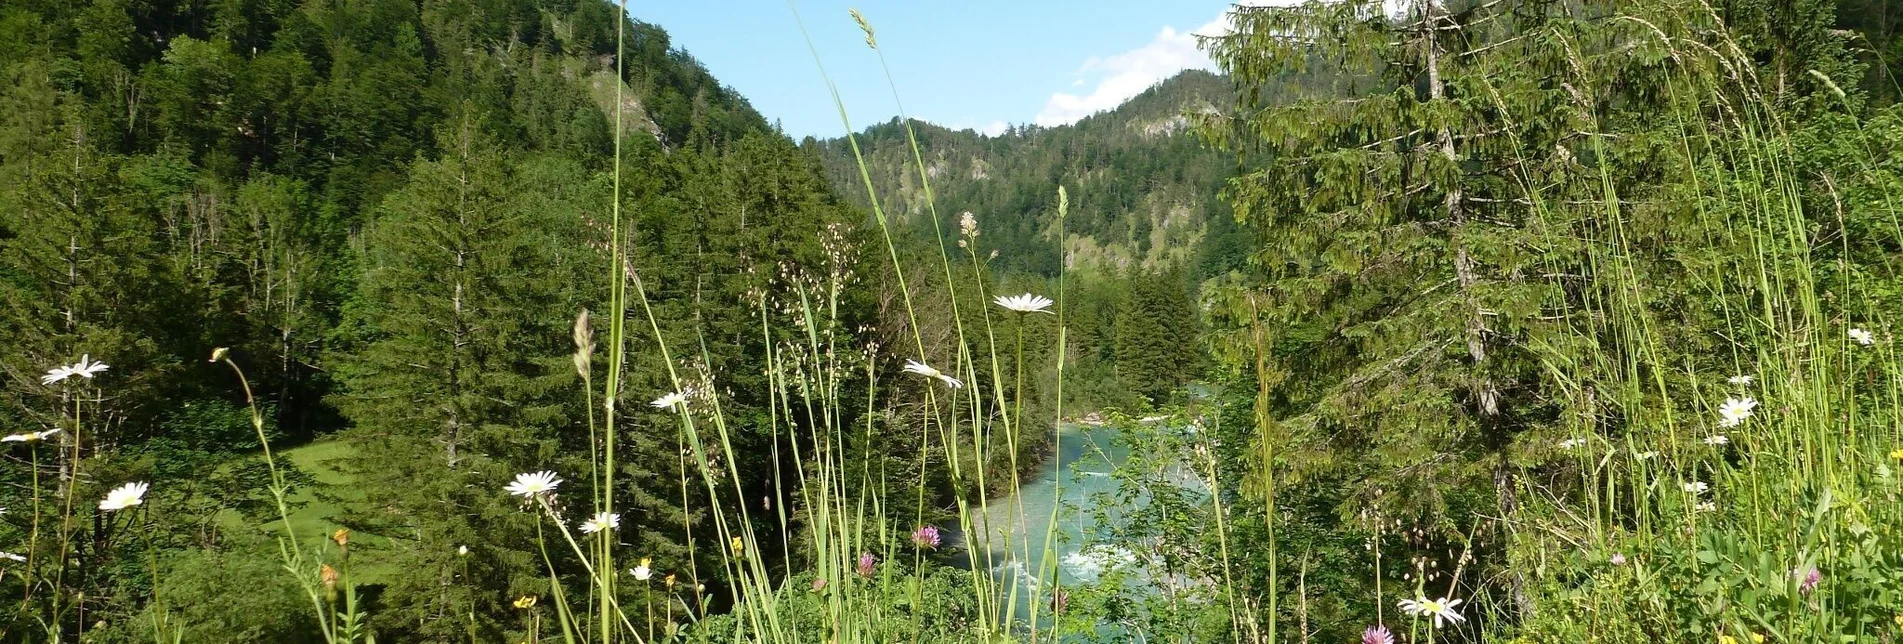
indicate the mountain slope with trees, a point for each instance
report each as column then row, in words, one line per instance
column 1145, row 223
column 391, row 212
column 1143, row 188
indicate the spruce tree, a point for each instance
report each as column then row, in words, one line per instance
column 456, row 373
column 1398, row 224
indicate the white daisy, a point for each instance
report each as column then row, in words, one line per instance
column 85, row 368
column 1026, row 303
column 920, row 368
column 12, row 556
column 1735, row 411
column 669, row 401
column 642, row 572
column 1739, row 380
column 1863, row 337
column 533, row 484
column 601, row 521
column 1441, row 609
column 1705, row 506
column 124, row 496
column 1696, row 487
column 30, row 437
column 1717, row 439
column 56, row 374
column 1572, row 443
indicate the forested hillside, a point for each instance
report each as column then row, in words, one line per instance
column 1143, row 189
column 1146, row 221
column 391, row 212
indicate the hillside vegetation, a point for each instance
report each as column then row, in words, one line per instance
column 1144, row 190
column 505, row 321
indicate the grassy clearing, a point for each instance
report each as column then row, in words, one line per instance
column 332, row 501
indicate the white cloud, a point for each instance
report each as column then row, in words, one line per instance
column 1125, row 75
column 993, row 128
column 1122, row 76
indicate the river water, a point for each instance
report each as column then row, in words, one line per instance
column 1067, row 482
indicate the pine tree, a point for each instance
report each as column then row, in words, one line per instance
column 457, row 372
column 1398, row 223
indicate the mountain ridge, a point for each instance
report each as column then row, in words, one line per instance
column 1143, row 192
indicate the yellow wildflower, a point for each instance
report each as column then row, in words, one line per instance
column 527, row 601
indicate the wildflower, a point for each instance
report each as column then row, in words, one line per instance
column 30, row 437
column 601, row 521
column 672, row 399
column 819, row 584
column 1646, row 456
column 866, row 561
column 1735, row 411
column 1896, row 454
column 1757, row 638
column 1717, row 439
column 125, row 496
column 1807, row 579
column 968, row 224
column 1026, row 303
column 1618, row 559
column 85, row 368
column 642, row 571
column 12, row 557
column 1572, row 443
column 462, row 551
column 1739, row 380
column 525, row 602
column 669, row 580
column 533, row 484
column 341, row 536
column 1862, row 336
column 1727, row 639
column 736, row 545
column 328, row 575
column 1705, row 506
column 926, row 537
column 1377, row 635
column 1060, row 600
column 920, row 368
column 1441, row 609
column 1696, row 487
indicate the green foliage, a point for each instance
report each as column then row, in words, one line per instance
column 932, row 604
column 390, row 213
column 1143, row 191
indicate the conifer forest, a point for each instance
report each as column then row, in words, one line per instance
column 1407, row 321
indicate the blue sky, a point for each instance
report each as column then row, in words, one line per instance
column 963, row 63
